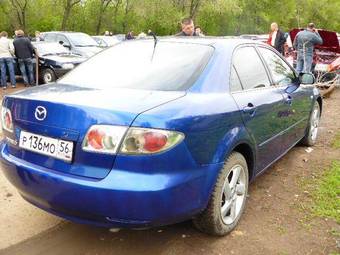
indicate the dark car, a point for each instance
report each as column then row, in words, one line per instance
column 78, row 43
column 176, row 134
column 55, row 60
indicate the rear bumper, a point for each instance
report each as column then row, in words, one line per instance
column 122, row 199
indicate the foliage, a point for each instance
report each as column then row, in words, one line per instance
column 216, row 17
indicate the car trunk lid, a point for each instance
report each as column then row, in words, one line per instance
column 330, row 40
column 70, row 113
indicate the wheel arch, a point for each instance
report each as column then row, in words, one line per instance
column 248, row 153
column 319, row 101
column 43, row 69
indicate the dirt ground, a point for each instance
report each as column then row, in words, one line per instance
column 274, row 222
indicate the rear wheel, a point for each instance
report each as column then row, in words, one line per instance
column 228, row 199
column 313, row 126
column 48, row 75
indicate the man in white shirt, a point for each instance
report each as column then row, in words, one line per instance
column 6, row 59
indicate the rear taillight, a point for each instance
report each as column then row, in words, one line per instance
column 148, row 141
column 104, row 138
column 6, row 119
column 107, row 139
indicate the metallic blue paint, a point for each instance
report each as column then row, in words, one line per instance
column 150, row 190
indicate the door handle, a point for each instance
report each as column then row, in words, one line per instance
column 249, row 109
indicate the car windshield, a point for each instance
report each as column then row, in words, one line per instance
column 50, row 49
column 135, row 65
column 82, row 40
column 109, row 40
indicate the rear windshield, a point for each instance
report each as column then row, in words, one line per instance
column 136, row 65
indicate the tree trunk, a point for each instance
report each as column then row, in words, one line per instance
column 103, row 6
column 115, row 14
column 127, row 9
column 65, row 18
column 194, row 6
column 67, row 11
column 20, row 9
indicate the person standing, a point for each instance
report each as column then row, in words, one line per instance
column 6, row 59
column 38, row 37
column 277, row 38
column 188, row 28
column 24, row 52
column 304, row 44
column 198, row 31
column 129, row 36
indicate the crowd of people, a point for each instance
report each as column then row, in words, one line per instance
column 22, row 49
column 304, row 43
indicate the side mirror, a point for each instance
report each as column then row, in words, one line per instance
column 61, row 42
column 307, row 78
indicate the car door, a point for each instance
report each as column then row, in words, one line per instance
column 260, row 104
column 297, row 98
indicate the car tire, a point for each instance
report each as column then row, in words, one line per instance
column 48, row 75
column 218, row 218
column 312, row 130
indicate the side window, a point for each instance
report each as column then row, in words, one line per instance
column 63, row 40
column 250, row 68
column 235, row 84
column 282, row 74
column 50, row 37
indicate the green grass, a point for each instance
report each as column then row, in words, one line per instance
column 336, row 141
column 326, row 194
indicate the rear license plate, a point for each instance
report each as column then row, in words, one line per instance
column 52, row 147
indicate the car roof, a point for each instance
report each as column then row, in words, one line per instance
column 63, row 32
column 215, row 41
column 44, row 42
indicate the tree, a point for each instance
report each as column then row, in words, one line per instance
column 102, row 8
column 216, row 17
column 127, row 9
column 194, row 6
column 20, row 8
column 68, row 5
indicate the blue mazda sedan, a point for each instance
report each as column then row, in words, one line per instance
column 149, row 133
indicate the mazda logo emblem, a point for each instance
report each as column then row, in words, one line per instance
column 40, row 113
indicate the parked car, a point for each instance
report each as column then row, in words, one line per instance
column 78, row 43
column 324, row 54
column 55, row 60
column 176, row 134
column 106, row 41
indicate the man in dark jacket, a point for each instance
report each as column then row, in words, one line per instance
column 188, row 28
column 276, row 38
column 304, row 43
column 24, row 52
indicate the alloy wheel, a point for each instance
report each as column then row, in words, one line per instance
column 233, row 195
column 314, row 123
